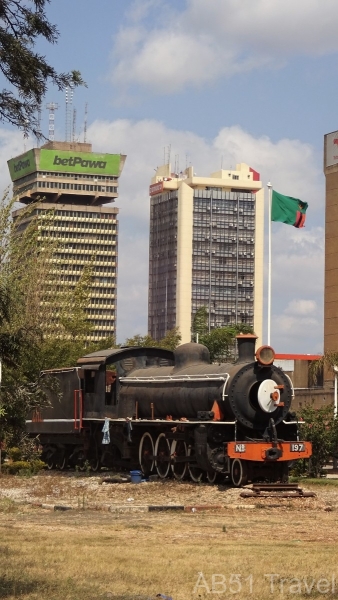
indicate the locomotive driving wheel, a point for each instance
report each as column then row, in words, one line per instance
column 239, row 472
column 94, row 459
column 162, row 453
column 195, row 472
column 146, row 454
column 50, row 463
column 179, row 452
column 95, row 464
column 62, row 461
column 50, row 458
column 211, row 475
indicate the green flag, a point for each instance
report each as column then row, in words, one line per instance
column 288, row 210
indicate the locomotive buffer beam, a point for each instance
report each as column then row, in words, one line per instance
column 276, row 490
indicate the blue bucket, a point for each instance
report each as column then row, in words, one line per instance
column 136, row 476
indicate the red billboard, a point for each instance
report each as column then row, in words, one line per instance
column 156, row 188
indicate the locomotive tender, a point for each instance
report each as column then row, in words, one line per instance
column 165, row 411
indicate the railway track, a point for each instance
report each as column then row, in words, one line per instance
column 276, row 490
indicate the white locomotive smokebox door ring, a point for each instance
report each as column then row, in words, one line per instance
column 268, row 396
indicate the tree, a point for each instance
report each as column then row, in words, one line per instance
column 140, row 340
column 73, row 316
column 42, row 323
column 328, row 361
column 221, row 341
column 170, row 341
column 200, row 322
column 22, row 24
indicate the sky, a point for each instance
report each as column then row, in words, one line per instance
column 220, row 82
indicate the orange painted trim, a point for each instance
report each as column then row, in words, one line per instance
column 256, row 451
column 218, row 415
column 37, row 416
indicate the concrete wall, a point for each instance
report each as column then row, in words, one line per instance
column 184, row 261
column 302, row 380
column 316, row 397
column 259, row 268
column 331, row 262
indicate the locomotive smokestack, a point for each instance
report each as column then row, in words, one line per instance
column 246, row 347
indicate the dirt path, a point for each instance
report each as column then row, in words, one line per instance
column 91, row 492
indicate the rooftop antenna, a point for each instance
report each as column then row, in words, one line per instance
column 177, row 164
column 74, row 125
column 24, row 137
column 222, row 163
column 69, row 102
column 38, row 129
column 167, row 155
column 52, row 107
column 85, row 123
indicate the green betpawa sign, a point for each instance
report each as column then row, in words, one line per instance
column 22, row 165
column 79, row 162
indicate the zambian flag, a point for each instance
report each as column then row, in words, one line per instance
column 288, row 210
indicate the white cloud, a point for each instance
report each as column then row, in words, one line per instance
column 290, row 165
column 298, row 258
column 282, row 27
column 12, row 144
column 132, row 302
column 215, row 39
column 303, row 308
column 298, row 335
column 140, row 9
column 297, row 288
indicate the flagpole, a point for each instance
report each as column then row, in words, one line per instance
column 269, row 264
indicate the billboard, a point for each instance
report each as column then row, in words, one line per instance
column 331, row 149
column 156, row 188
column 22, row 165
column 70, row 161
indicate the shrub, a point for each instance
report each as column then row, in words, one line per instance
column 12, row 468
column 319, row 427
column 14, row 454
column 23, row 467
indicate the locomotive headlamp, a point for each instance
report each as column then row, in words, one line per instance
column 265, row 355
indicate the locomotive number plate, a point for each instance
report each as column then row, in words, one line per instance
column 240, row 447
column 297, row 447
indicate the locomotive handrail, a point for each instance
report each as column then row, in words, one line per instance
column 292, row 388
column 78, row 410
column 169, row 378
column 226, row 379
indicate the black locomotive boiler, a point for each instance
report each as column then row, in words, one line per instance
column 174, row 412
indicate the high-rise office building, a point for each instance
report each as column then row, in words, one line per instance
column 76, row 183
column 331, row 243
column 206, row 249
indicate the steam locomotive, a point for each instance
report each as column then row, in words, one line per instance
column 173, row 412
